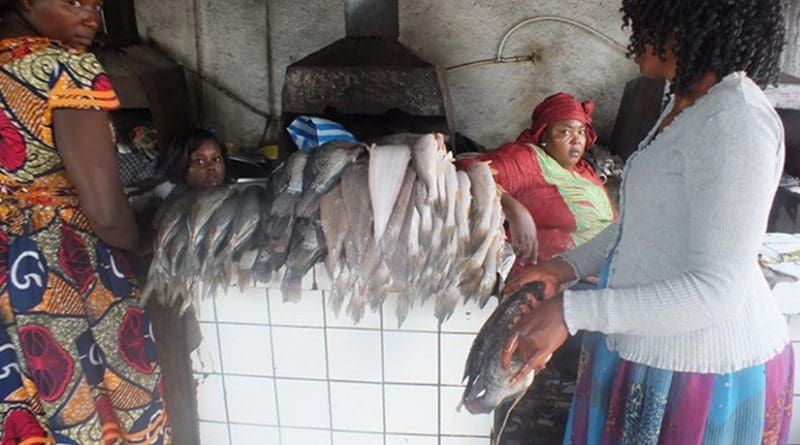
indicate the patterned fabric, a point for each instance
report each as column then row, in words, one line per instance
column 77, row 355
column 587, row 202
column 309, row 132
column 619, row 402
column 568, row 207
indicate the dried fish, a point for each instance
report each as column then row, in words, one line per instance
column 387, row 171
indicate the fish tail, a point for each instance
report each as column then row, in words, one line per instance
column 291, row 287
column 403, row 306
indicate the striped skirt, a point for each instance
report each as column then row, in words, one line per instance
column 621, row 402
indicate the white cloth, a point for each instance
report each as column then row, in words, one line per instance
column 685, row 291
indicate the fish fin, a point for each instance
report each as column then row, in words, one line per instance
column 278, row 224
column 245, row 279
column 358, row 301
column 403, row 306
column 308, row 204
column 342, row 286
column 446, row 303
column 291, row 286
column 283, row 205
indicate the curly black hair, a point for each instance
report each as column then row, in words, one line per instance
column 720, row 36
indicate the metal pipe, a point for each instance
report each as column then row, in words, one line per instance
column 372, row 18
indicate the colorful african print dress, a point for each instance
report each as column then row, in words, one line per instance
column 77, row 355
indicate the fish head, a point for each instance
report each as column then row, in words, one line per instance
column 493, row 387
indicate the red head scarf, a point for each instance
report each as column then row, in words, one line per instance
column 559, row 107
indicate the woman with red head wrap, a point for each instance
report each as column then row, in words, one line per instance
column 553, row 200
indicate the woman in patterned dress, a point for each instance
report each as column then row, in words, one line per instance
column 77, row 352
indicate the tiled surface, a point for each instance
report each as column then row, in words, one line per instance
column 354, row 354
column 340, row 438
column 455, row 421
column 214, row 433
column 411, row 409
column 206, row 357
column 251, row 400
column 209, row 396
column 245, row 349
column 299, row 352
column 298, row 436
column 410, row 357
column 357, row 406
column 307, row 312
column 254, row 434
column 340, row 384
column 281, row 373
column 303, row 403
column 396, row 439
column 455, row 349
column 238, row 307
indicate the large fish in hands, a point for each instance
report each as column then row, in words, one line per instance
column 488, row 383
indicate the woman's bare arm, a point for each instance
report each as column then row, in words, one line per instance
column 84, row 140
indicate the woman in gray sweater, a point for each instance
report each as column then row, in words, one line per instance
column 690, row 346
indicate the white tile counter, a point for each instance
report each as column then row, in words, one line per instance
column 294, row 374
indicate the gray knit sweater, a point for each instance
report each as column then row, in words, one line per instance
column 685, row 291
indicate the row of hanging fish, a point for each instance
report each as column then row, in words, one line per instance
column 395, row 220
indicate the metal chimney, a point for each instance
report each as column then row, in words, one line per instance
column 368, row 81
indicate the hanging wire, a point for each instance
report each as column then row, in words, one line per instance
column 535, row 57
column 552, row 18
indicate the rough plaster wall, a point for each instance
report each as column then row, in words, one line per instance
column 225, row 42
column 791, row 55
column 233, row 52
column 493, row 103
column 170, row 26
column 490, row 103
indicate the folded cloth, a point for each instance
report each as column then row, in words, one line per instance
column 309, row 132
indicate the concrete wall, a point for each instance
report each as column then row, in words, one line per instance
column 791, row 56
column 245, row 46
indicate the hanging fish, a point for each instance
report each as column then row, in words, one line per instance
column 387, row 172
column 325, row 167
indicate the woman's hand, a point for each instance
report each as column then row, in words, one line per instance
column 536, row 337
column 553, row 274
column 523, row 230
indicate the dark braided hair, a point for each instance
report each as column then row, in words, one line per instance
column 719, row 36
